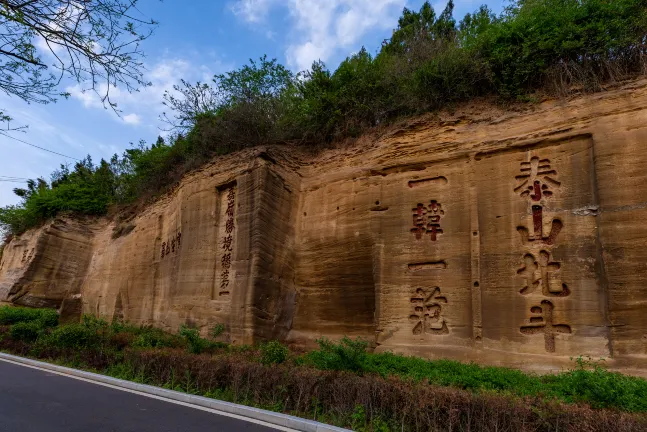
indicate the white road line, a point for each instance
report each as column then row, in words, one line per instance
column 213, row 411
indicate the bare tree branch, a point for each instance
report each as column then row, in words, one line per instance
column 96, row 43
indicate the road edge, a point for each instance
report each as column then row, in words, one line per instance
column 242, row 411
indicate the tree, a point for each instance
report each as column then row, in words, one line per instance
column 189, row 102
column 93, row 42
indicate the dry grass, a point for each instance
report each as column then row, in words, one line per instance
column 405, row 405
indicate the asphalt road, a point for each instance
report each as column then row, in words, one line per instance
column 40, row 401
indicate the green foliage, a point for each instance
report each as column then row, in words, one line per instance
column 153, row 338
column 195, row 344
column 588, row 382
column 430, row 61
column 75, row 336
column 348, row 354
column 25, row 331
column 273, row 352
column 217, row 330
column 582, row 42
column 13, row 315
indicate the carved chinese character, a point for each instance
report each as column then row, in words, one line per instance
column 427, row 313
column 24, row 256
column 542, row 321
column 179, row 239
column 231, row 196
column 173, row 245
column 538, row 228
column 541, row 272
column 229, row 226
column 168, row 248
column 426, row 220
column 226, row 261
column 536, row 179
column 419, row 221
column 163, row 249
column 227, row 242
column 224, row 283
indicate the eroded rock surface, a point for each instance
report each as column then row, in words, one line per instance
column 509, row 238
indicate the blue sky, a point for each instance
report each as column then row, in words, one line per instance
column 195, row 40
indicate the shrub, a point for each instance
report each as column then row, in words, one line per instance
column 153, row 338
column 77, row 336
column 411, row 406
column 12, row 315
column 25, row 331
column 348, row 354
column 590, row 382
column 217, row 330
column 195, row 344
column 273, row 352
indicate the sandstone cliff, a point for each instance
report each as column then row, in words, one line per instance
column 510, row 238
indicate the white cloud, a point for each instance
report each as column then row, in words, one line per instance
column 132, row 119
column 323, row 29
column 336, row 25
column 144, row 106
column 252, row 11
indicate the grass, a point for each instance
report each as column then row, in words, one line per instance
column 340, row 382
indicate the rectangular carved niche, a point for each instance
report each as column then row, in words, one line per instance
column 540, row 289
column 226, row 241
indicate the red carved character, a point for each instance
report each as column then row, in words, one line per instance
column 536, row 179
column 426, row 220
column 229, row 226
column 227, row 242
column 226, row 261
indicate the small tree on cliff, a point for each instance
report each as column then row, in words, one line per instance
column 95, row 43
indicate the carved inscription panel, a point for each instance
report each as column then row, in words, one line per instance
column 225, row 273
column 540, row 291
column 423, row 265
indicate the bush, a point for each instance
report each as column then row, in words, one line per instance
column 590, row 382
column 25, row 331
column 77, row 336
column 12, row 315
column 217, row 330
column 195, row 344
column 153, row 338
column 348, row 355
column 273, row 352
column 408, row 406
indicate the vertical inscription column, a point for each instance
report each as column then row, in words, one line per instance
column 226, row 242
column 540, row 290
column 424, row 279
column 536, row 184
column 427, row 303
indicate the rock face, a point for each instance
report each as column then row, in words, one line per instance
column 508, row 238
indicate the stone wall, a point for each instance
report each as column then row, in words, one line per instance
column 502, row 237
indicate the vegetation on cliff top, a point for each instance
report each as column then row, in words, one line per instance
column 341, row 382
column 552, row 46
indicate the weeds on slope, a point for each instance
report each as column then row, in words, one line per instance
column 340, row 382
